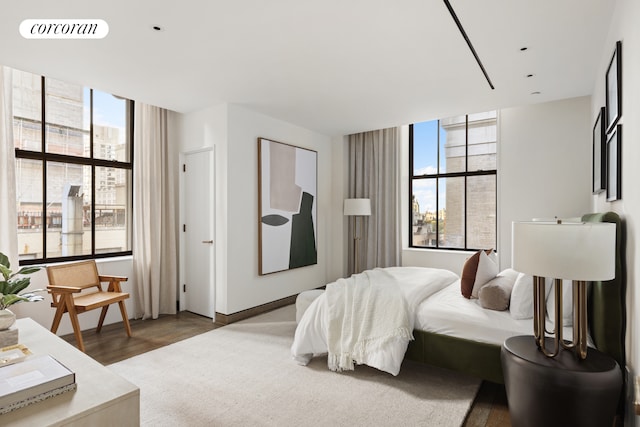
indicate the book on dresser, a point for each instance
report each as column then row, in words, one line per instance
column 35, row 379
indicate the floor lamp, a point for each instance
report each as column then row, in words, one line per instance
column 356, row 208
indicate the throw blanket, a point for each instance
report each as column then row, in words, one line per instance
column 365, row 313
column 376, row 317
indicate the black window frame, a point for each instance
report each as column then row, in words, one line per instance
column 440, row 175
column 44, row 157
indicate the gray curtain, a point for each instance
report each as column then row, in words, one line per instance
column 374, row 174
column 8, row 214
column 155, row 261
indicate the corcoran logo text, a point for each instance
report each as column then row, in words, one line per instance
column 64, row 29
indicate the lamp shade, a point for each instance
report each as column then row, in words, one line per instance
column 360, row 207
column 575, row 251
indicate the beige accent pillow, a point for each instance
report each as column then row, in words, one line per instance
column 496, row 294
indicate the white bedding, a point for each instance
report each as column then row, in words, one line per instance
column 448, row 313
column 414, row 283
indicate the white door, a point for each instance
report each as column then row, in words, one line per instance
column 198, row 227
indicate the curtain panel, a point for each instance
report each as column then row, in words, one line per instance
column 155, row 261
column 374, row 174
column 8, row 213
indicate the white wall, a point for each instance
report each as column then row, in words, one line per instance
column 233, row 131
column 538, row 148
column 543, row 165
column 624, row 27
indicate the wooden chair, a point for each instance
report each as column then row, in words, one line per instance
column 66, row 285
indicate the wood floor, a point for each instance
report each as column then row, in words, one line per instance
column 490, row 407
column 112, row 345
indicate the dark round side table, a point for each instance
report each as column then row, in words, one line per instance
column 559, row 391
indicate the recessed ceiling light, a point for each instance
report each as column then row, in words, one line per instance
column 157, row 28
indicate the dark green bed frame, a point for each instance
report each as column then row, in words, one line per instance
column 606, row 317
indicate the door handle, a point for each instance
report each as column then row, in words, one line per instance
column 208, row 241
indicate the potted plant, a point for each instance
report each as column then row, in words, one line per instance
column 10, row 288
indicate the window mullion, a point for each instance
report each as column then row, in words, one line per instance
column 43, row 145
column 438, row 188
column 466, row 169
column 411, row 173
column 93, row 176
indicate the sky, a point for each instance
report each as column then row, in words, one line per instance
column 108, row 110
column 425, row 143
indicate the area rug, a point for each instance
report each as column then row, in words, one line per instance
column 243, row 375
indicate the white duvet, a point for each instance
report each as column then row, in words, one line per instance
column 367, row 318
column 471, row 321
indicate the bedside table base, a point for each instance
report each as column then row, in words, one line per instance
column 559, row 391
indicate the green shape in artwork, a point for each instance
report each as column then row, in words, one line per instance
column 274, row 220
column 303, row 241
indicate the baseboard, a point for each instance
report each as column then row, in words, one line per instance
column 225, row 319
column 633, row 391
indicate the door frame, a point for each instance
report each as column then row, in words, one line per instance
column 182, row 218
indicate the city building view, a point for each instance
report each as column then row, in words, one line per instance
column 68, row 200
column 55, row 196
column 454, row 182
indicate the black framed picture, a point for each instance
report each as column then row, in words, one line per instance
column 614, row 88
column 614, row 165
column 599, row 166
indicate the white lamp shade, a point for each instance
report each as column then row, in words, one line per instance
column 583, row 251
column 360, row 207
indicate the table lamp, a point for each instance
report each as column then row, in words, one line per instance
column 579, row 252
column 356, row 208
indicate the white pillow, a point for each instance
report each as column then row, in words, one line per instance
column 567, row 302
column 487, row 270
column 521, row 304
column 510, row 273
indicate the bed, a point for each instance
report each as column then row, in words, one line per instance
column 457, row 333
column 607, row 323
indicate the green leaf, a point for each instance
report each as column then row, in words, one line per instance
column 16, row 286
column 28, row 270
column 32, row 297
column 6, row 272
column 8, row 300
column 4, row 260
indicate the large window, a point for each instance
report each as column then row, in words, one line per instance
column 453, row 182
column 73, row 170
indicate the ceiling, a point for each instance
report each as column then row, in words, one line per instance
column 333, row 66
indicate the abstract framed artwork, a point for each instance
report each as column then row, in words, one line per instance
column 613, row 88
column 288, row 206
column 599, row 165
column 614, row 165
